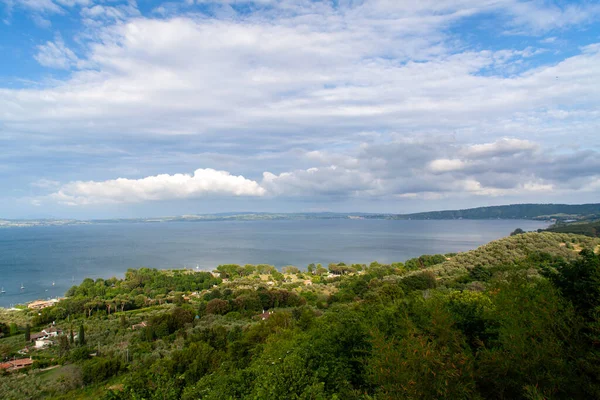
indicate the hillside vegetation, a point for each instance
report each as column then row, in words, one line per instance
column 518, row 318
column 514, row 211
column 591, row 229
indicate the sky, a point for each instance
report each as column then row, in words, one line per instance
column 114, row 108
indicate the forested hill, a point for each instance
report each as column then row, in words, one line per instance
column 517, row 318
column 514, row 211
column 559, row 212
column 581, row 228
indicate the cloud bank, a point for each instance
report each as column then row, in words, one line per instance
column 350, row 101
column 501, row 168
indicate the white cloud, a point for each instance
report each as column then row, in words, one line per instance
column 56, row 55
column 400, row 169
column 331, row 181
column 160, row 187
column 500, row 147
column 446, row 165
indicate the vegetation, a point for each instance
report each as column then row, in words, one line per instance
column 591, row 229
column 517, row 318
column 515, row 211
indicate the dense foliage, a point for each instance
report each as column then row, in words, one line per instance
column 591, row 229
column 515, row 319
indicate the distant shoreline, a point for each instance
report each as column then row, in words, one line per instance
column 534, row 212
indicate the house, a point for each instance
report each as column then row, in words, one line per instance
column 47, row 333
column 36, row 336
column 41, row 343
column 52, row 331
column 141, row 325
column 265, row 315
column 14, row 365
column 40, row 304
column 307, row 282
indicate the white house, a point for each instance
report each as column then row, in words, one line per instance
column 41, row 343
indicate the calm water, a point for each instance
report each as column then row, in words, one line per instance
column 37, row 257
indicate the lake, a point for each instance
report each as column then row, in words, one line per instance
column 49, row 260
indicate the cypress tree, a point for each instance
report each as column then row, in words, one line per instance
column 27, row 333
column 81, row 337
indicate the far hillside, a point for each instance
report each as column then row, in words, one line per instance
column 591, row 229
column 562, row 212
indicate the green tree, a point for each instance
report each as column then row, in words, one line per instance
column 290, row 269
column 81, row 336
column 217, row 306
column 27, row 333
column 63, row 345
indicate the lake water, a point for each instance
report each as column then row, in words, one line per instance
column 38, row 257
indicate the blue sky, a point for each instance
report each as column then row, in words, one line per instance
column 119, row 109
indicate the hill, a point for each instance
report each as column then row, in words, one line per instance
column 591, row 229
column 558, row 212
column 514, row 211
column 516, row 318
column 512, row 250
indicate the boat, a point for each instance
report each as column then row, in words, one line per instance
column 2, row 291
column 22, row 287
column 53, row 283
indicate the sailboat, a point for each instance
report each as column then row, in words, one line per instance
column 53, row 283
column 2, row 291
column 22, row 287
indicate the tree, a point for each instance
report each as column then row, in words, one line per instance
column 579, row 281
column 217, row 306
column 71, row 336
column 320, row 270
column 5, row 351
column 290, row 269
column 14, row 329
column 27, row 333
column 517, row 231
column 63, row 345
column 81, row 337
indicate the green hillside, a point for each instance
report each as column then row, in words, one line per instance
column 513, row 250
column 514, row 211
column 517, row 318
column 591, row 229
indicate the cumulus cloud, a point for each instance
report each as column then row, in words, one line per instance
column 203, row 182
column 403, row 168
column 409, row 169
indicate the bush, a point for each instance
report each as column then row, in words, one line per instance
column 217, row 306
column 100, row 369
column 421, row 281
